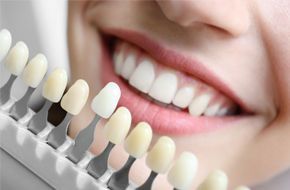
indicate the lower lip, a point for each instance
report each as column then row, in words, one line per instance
column 164, row 121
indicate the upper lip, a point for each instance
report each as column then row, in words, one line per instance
column 177, row 61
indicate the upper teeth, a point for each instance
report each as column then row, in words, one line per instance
column 165, row 85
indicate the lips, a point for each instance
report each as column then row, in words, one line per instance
column 164, row 119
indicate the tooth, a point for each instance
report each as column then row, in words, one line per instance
column 212, row 110
column 129, row 66
column 35, row 70
column 118, row 125
column 184, row 96
column 5, row 43
column 161, row 155
column 199, row 104
column 138, row 140
column 55, row 85
column 75, row 98
column 118, row 62
column 17, row 58
column 183, row 171
column 143, row 76
column 164, row 87
column 105, row 102
column 216, row 180
column 242, row 188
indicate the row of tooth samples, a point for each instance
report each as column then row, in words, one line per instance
column 159, row 159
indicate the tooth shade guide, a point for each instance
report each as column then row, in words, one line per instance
column 5, row 43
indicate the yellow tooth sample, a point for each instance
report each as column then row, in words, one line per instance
column 76, row 97
column 139, row 139
column 5, row 42
column 55, row 85
column 35, row 70
column 242, row 188
column 183, row 171
column 216, row 180
column 118, row 125
column 17, row 58
column 105, row 102
column 161, row 155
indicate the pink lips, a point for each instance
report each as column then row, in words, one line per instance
column 164, row 120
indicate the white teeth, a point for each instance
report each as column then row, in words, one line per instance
column 118, row 62
column 161, row 155
column 242, row 188
column 199, row 104
column 17, row 58
column 118, row 125
column 143, row 76
column 212, row 110
column 216, row 180
column 35, row 70
column 183, row 171
column 76, row 97
column 164, row 87
column 105, row 102
column 55, row 85
column 5, row 43
column 184, row 96
column 129, row 66
column 138, row 140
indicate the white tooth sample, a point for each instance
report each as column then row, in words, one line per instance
column 105, row 102
column 216, row 180
column 182, row 173
column 161, row 155
column 184, row 96
column 129, row 65
column 199, row 104
column 143, row 76
column 17, row 58
column 118, row 125
column 76, row 97
column 55, row 85
column 242, row 188
column 212, row 110
column 118, row 61
column 164, row 87
column 35, row 70
column 5, row 43
column 139, row 139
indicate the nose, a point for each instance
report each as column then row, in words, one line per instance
column 231, row 16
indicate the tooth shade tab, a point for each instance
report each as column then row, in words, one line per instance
column 118, row 125
column 182, row 173
column 164, row 87
column 139, row 139
column 75, row 98
column 17, row 58
column 184, row 96
column 55, row 85
column 105, row 102
column 145, row 70
column 217, row 180
column 161, row 155
column 242, row 188
column 35, row 70
column 5, row 43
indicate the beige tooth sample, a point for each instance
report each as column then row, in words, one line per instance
column 217, row 180
column 161, row 155
column 143, row 76
column 129, row 65
column 139, row 139
column 17, row 58
column 164, row 87
column 55, row 85
column 242, row 188
column 182, row 173
column 5, row 43
column 118, row 125
column 199, row 104
column 75, row 98
column 35, row 70
column 105, row 102
column 183, row 96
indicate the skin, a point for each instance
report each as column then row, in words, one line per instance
column 245, row 43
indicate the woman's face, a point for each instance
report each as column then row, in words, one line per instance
column 211, row 74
